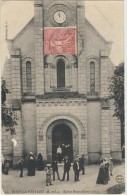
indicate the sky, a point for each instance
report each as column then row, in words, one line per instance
column 106, row 16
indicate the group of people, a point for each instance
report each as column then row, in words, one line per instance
column 62, row 151
column 31, row 163
column 78, row 165
column 105, row 171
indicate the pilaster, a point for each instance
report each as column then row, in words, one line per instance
column 39, row 41
column 18, row 149
column 81, row 48
column 16, row 74
column 104, row 55
column 105, row 132
column 105, row 112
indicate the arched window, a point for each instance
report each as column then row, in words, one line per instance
column 60, row 73
column 28, row 77
column 92, row 76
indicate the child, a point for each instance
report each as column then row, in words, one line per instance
column 21, row 165
column 48, row 170
column 111, row 166
column 6, row 167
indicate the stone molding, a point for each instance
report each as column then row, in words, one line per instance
column 64, row 116
column 62, row 102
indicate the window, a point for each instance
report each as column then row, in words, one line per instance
column 92, row 76
column 60, row 73
column 28, row 77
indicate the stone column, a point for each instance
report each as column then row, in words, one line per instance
column 16, row 102
column 105, row 125
column 105, row 133
column 81, row 48
column 82, row 137
column 39, row 44
column 117, row 139
column 16, row 75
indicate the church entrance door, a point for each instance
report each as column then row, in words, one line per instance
column 62, row 136
column 59, row 132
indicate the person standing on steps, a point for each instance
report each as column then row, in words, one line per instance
column 59, row 154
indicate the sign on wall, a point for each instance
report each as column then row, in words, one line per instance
column 60, row 41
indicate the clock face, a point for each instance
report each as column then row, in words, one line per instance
column 59, row 17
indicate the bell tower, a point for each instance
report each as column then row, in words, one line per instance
column 60, row 46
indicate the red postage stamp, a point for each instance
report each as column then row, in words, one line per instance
column 60, row 40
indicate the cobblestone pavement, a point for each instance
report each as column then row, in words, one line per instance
column 13, row 184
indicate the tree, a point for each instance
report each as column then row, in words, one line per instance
column 117, row 93
column 8, row 116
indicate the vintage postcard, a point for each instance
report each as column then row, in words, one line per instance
column 62, row 103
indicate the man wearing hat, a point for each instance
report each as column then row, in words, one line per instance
column 76, row 169
column 67, row 166
column 82, row 164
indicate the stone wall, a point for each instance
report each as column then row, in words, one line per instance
column 97, row 74
column 38, row 40
column 94, row 131
column 29, row 127
column 25, row 40
column 18, row 149
column 48, row 109
column 81, row 48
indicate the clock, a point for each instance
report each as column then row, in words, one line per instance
column 60, row 17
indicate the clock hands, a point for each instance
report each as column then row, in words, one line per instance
column 59, row 17
column 59, row 14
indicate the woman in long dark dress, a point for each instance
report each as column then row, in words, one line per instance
column 31, row 164
column 103, row 175
column 40, row 163
column 107, row 171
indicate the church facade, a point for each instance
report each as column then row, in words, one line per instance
column 58, row 74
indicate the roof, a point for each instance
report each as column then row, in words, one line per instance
column 23, row 29
column 95, row 30
column 87, row 23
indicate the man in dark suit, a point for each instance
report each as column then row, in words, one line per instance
column 54, row 166
column 82, row 164
column 67, row 166
column 76, row 169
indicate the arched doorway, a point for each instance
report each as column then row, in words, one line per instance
column 62, row 136
column 60, row 73
column 59, row 130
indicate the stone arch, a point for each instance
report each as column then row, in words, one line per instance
column 71, row 121
column 92, row 57
column 66, row 116
column 53, row 59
